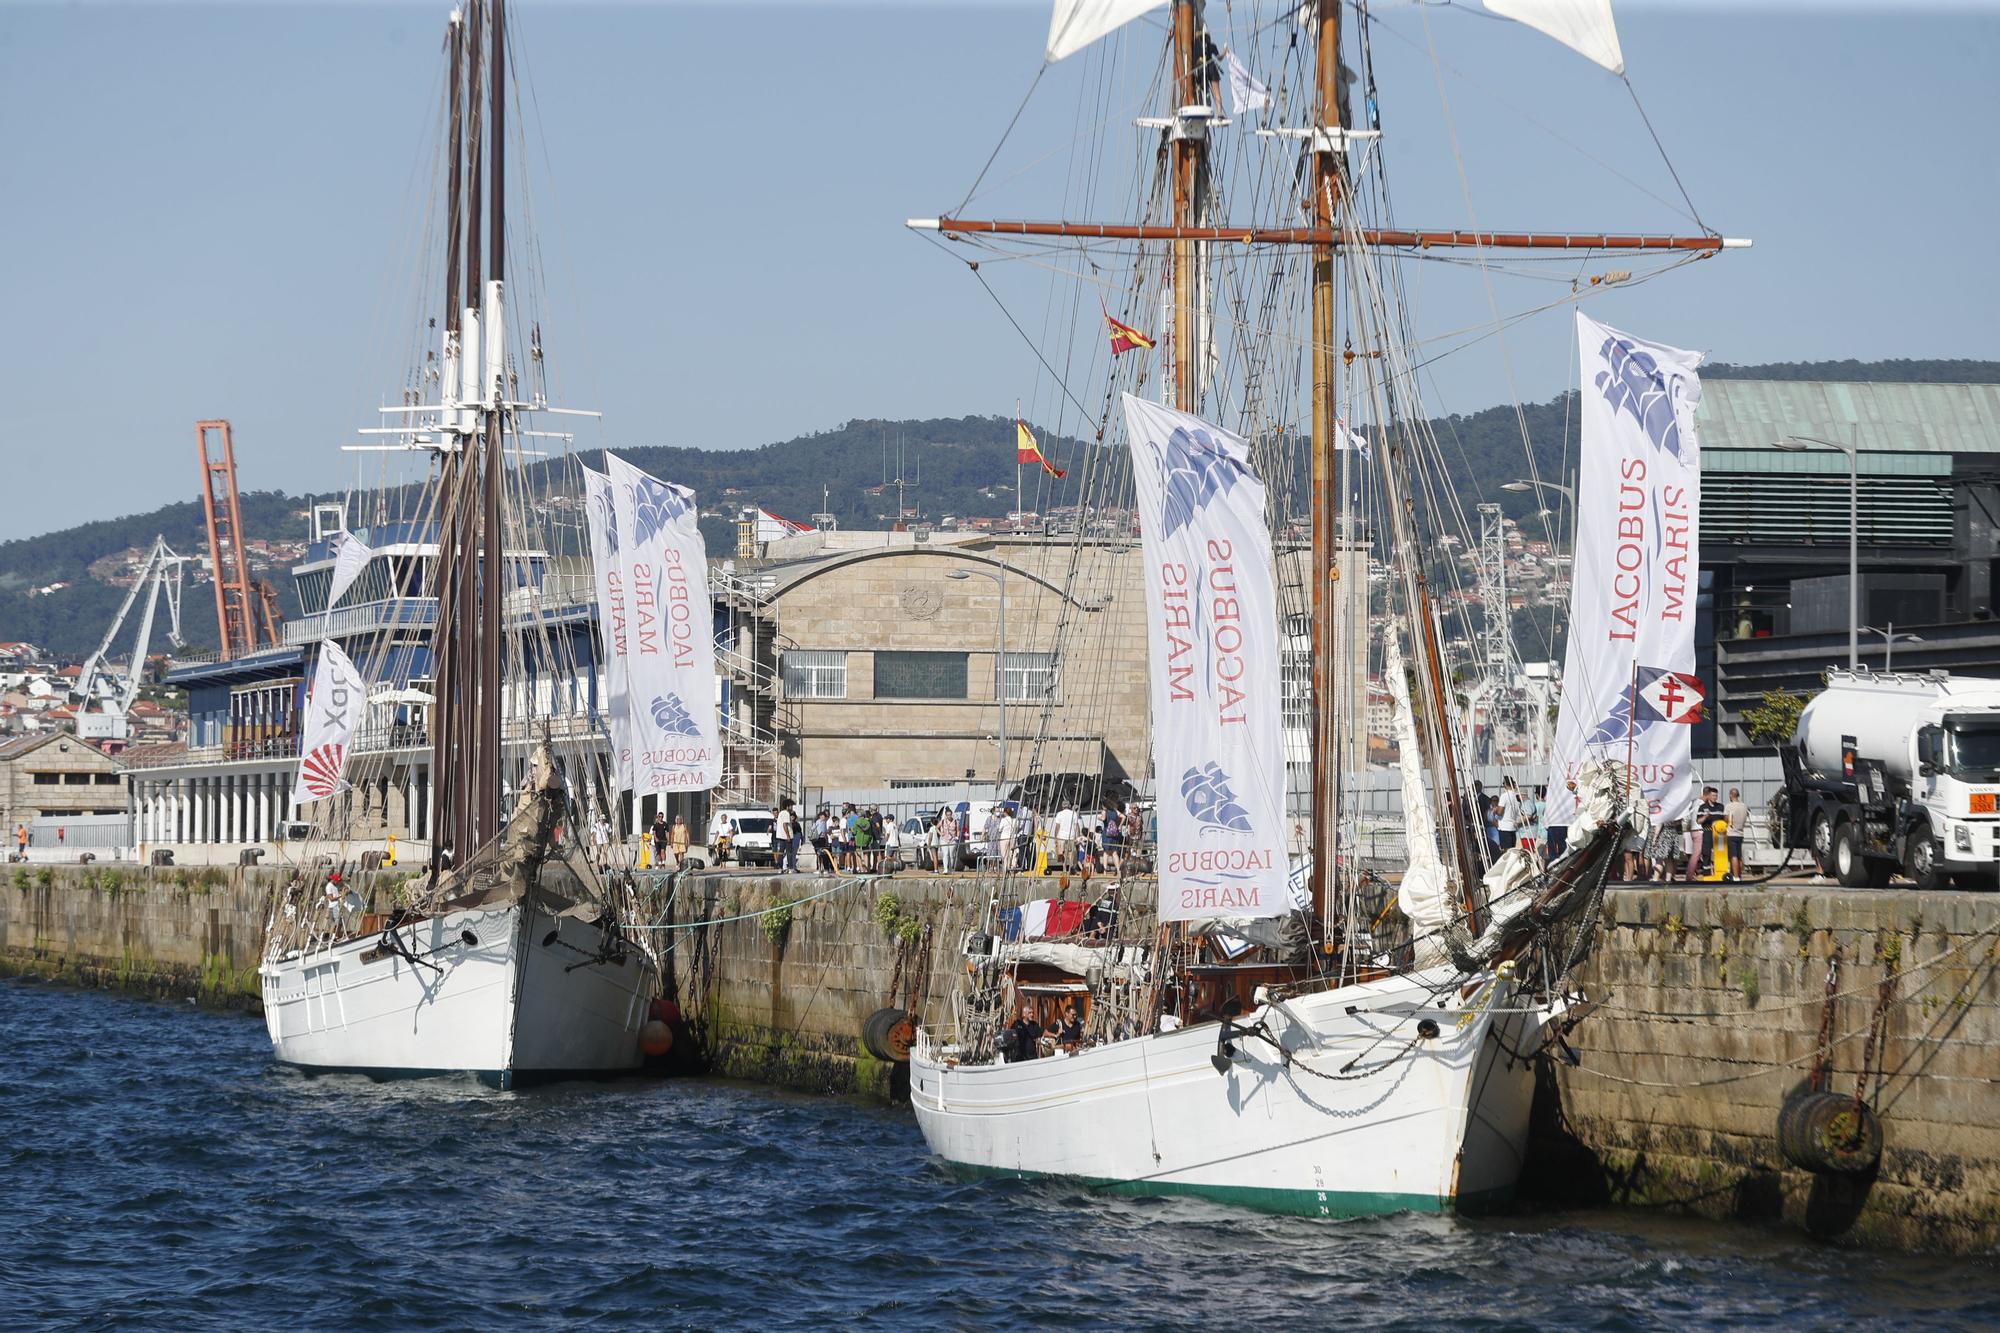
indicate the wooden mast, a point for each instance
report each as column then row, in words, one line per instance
column 1381, row 238
column 1188, row 145
column 443, row 787
column 1326, row 186
column 493, row 573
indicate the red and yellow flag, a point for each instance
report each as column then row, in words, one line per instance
column 1027, row 451
column 1125, row 338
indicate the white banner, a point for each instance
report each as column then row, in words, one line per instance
column 333, row 711
column 1633, row 587
column 350, row 556
column 669, row 740
column 602, row 511
column 1212, row 632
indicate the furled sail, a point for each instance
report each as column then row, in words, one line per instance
column 1077, row 23
column 1425, row 893
column 1584, row 26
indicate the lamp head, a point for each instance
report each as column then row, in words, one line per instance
column 1516, row 486
column 958, row 574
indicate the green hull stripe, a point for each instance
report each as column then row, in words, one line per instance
column 1301, row 1203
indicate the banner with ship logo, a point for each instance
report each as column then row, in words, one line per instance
column 1212, row 627
column 333, row 712
column 658, row 630
column 1628, row 678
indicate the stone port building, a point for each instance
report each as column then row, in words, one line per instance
column 876, row 658
column 54, row 775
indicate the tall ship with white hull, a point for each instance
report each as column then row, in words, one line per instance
column 1287, row 1029
column 505, row 954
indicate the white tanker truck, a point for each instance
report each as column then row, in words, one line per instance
column 1896, row 772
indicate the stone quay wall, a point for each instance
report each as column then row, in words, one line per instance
column 1714, row 1002
column 1711, row 1011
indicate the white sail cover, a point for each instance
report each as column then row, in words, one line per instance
column 1424, row 895
column 668, row 740
column 1584, row 26
column 601, row 510
column 1075, row 24
column 1212, row 632
column 333, row 711
column 1632, row 591
column 350, row 556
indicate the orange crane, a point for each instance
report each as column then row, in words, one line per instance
column 246, row 609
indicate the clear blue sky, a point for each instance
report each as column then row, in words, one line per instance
column 207, row 210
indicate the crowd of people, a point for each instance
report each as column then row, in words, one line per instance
column 1673, row 849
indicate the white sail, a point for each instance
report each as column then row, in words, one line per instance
column 1584, row 26
column 350, row 556
column 333, row 711
column 1425, row 893
column 1212, row 633
column 1628, row 689
column 1075, row 24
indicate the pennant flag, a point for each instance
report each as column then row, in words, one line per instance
column 1245, row 92
column 350, row 556
column 1027, row 451
column 774, row 527
column 1125, row 338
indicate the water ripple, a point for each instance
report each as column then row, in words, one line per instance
column 160, row 1171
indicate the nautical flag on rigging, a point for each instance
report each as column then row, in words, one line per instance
column 663, row 724
column 1245, row 92
column 333, row 712
column 1212, row 635
column 350, row 556
column 1125, row 338
column 1629, row 675
column 1026, row 451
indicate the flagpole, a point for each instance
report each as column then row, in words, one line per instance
column 1018, row 423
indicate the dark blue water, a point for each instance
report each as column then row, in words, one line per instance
column 160, row 1172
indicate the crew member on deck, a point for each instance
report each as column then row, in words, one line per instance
column 1023, row 1035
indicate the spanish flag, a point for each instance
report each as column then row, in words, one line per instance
column 1027, row 451
column 1125, row 338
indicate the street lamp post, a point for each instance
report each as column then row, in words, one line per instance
column 1889, row 639
column 1800, row 443
column 999, row 673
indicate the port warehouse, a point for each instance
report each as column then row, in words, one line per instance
column 853, row 660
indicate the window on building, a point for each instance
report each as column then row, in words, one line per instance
column 48, row 779
column 1028, row 677
column 76, row 779
column 815, row 674
column 920, row 675
column 106, row 779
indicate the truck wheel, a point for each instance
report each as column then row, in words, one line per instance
column 1850, row 864
column 1821, row 841
column 1922, row 862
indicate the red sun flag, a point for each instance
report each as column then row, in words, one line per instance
column 321, row 770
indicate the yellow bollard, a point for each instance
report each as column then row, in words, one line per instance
column 390, row 859
column 1719, row 861
column 645, row 853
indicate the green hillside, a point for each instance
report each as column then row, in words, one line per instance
column 960, row 465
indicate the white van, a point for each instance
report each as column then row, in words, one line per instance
column 749, row 829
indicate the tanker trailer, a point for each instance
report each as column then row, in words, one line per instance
column 1896, row 772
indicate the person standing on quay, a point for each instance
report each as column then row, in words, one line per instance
column 1737, row 815
column 677, row 838
column 659, row 832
